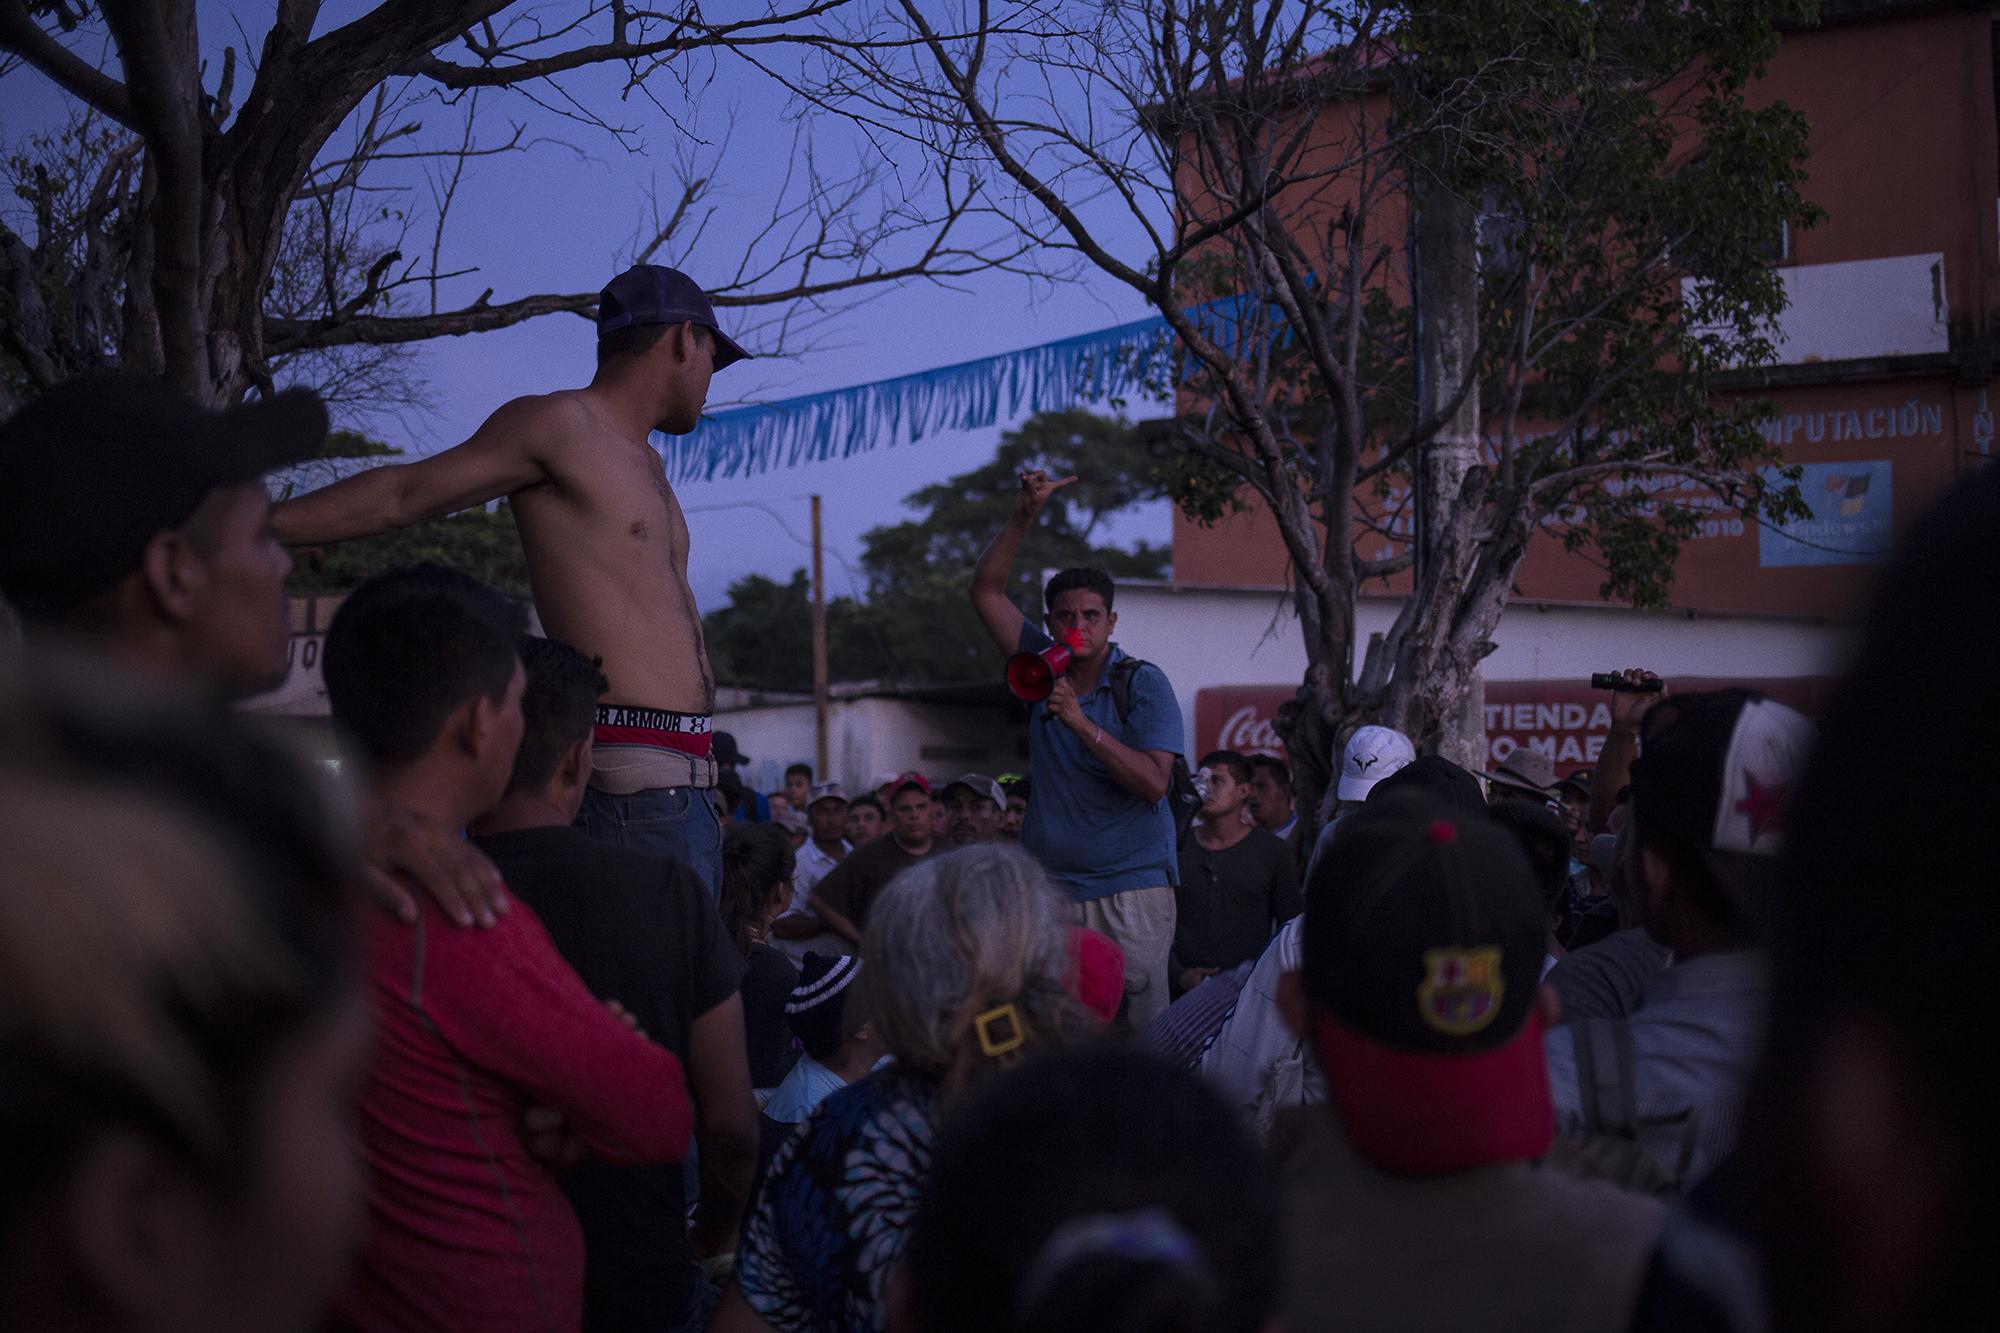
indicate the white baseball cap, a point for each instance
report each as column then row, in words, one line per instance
column 1372, row 753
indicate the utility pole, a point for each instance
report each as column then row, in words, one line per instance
column 819, row 651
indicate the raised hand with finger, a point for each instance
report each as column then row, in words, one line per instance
column 1036, row 488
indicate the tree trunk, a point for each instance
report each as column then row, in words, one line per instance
column 1443, row 692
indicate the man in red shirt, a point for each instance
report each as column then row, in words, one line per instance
column 467, row 1231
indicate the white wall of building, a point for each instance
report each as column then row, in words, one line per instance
column 871, row 736
column 1891, row 306
column 1250, row 636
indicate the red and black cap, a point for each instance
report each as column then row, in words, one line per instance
column 1423, row 943
column 99, row 466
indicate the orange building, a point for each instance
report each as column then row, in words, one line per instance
column 1884, row 385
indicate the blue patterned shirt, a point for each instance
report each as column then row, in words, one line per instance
column 834, row 1212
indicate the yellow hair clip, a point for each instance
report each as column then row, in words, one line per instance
column 1001, row 1035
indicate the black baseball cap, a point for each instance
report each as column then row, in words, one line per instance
column 1435, row 778
column 99, row 466
column 650, row 294
column 1423, row 944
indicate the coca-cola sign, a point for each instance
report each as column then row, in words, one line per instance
column 1242, row 718
column 1250, row 730
column 1565, row 720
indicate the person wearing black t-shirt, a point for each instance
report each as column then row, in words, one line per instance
column 1238, row 881
column 843, row 897
column 640, row 929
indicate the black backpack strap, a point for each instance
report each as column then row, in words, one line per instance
column 1121, row 685
column 1604, row 1062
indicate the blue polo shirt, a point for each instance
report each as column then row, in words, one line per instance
column 1092, row 836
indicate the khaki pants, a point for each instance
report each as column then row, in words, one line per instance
column 1141, row 922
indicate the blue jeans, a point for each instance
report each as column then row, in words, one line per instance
column 672, row 821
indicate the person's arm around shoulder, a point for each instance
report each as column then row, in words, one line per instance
column 405, row 848
column 1003, row 620
column 506, row 1001
column 504, row 455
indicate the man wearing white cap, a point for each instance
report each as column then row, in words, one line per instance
column 1371, row 754
column 800, row 931
column 1255, row 1061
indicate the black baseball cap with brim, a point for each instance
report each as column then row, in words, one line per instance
column 1423, row 944
column 1435, row 778
column 650, row 294
column 99, row 466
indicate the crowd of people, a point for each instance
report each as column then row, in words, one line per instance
column 535, row 1016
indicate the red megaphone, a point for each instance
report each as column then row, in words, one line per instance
column 1032, row 676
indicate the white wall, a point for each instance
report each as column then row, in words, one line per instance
column 871, row 736
column 1892, row 306
column 1250, row 636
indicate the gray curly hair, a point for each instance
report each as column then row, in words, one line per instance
column 955, row 936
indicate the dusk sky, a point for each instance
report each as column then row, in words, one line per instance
column 551, row 219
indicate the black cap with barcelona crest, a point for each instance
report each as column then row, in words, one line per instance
column 1423, row 945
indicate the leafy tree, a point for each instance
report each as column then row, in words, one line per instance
column 918, row 570
column 916, row 625
column 763, row 638
column 1422, row 266
column 481, row 542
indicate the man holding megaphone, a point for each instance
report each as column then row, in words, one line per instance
column 1102, row 738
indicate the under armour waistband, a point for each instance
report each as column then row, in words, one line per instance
column 656, row 728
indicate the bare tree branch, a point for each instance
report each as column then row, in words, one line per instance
column 688, row 33
column 20, row 34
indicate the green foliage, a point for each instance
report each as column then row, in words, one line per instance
column 481, row 542
column 1618, row 154
column 918, row 571
column 1201, row 488
column 341, row 444
column 763, row 638
column 917, row 625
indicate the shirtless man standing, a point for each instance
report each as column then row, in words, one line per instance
column 606, row 543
